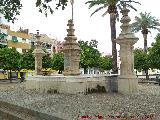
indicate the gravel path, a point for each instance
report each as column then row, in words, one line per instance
column 145, row 103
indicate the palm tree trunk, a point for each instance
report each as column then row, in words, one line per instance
column 145, row 42
column 113, row 37
column 145, row 50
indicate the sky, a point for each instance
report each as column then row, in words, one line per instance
column 86, row 27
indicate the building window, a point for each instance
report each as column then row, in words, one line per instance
column 54, row 49
column 3, row 39
column 32, row 43
column 24, row 50
column 43, row 45
column 14, row 39
column 3, row 35
column 48, row 46
column 23, row 40
column 3, row 46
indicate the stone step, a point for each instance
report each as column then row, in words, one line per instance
column 12, row 115
column 9, row 111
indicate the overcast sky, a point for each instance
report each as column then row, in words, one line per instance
column 87, row 28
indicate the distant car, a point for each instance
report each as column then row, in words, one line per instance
column 158, row 78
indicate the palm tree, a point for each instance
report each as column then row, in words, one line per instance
column 144, row 23
column 112, row 7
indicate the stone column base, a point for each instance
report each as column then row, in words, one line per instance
column 127, row 85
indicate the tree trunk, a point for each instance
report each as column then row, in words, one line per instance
column 10, row 76
column 147, row 76
column 59, row 71
column 21, row 75
column 113, row 37
column 85, row 70
column 4, row 74
column 145, row 33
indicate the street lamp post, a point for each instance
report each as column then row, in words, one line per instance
column 72, row 2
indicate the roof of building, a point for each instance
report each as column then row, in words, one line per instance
column 18, row 34
column 43, row 38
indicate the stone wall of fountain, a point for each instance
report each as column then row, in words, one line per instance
column 73, row 84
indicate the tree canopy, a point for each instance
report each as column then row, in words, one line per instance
column 46, row 61
column 110, row 5
column 89, row 54
column 145, row 22
column 154, row 53
column 58, row 62
column 105, row 63
column 11, row 8
column 141, row 60
column 9, row 59
column 28, row 60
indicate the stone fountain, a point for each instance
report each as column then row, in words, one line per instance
column 71, row 81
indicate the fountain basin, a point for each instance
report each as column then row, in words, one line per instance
column 73, row 84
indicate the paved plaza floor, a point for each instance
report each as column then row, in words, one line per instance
column 144, row 103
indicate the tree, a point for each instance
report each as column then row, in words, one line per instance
column 11, row 8
column 58, row 62
column 2, row 58
column 111, row 8
column 154, row 53
column 10, row 60
column 28, row 60
column 89, row 55
column 145, row 23
column 105, row 63
column 93, row 43
column 46, row 61
column 141, row 61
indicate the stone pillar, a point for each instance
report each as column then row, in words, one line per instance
column 127, row 82
column 71, row 51
column 38, row 53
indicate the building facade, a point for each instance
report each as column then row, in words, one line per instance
column 19, row 39
column 49, row 44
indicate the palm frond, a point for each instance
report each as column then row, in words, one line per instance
column 128, row 3
column 117, row 16
column 119, row 6
column 98, row 9
column 106, row 3
column 131, row 1
column 93, row 3
column 149, row 31
column 105, row 13
column 135, row 27
column 130, row 6
column 155, row 28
